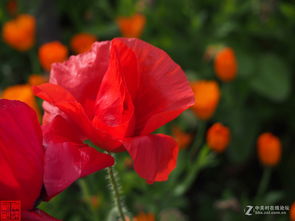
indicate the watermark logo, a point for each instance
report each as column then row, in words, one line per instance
column 250, row 210
column 10, row 210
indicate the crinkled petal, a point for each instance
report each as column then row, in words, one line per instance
column 65, row 101
column 60, row 130
column 128, row 65
column 81, row 75
column 74, row 111
column 164, row 90
column 36, row 215
column 154, row 156
column 114, row 107
column 66, row 157
column 21, row 153
column 66, row 162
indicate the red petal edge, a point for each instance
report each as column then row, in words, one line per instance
column 36, row 215
column 67, row 103
column 164, row 89
column 154, row 156
column 66, row 162
column 21, row 153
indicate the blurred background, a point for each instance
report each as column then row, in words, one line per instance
column 236, row 144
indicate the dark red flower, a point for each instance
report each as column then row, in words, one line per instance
column 116, row 95
column 21, row 154
column 24, row 162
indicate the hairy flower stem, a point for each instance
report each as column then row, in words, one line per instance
column 116, row 191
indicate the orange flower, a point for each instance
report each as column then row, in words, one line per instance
column 95, row 201
column 269, row 149
column 82, row 42
column 20, row 32
column 207, row 96
column 183, row 139
column 225, row 64
column 52, row 52
column 292, row 212
column 131, row 26
column 22, row 93
column 218, row 137
column 144, row 217
column 36, row 79
column 128, row 163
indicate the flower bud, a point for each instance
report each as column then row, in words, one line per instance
column 207, row 95
column 269, row 149
column 52, row 52
column 218, row 137
column 225, row 64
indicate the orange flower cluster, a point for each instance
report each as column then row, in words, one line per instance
column 145, row 217
column 225, row 64
column 52, row 52
column 22, row 93
column 82, row 42
column 95, row 201
column 36, row 79
column 269, row 149
column 183, row 139
column 218, row 137
column 292, row 212
column 207, row 95
column 20, row 32
column 132, row 26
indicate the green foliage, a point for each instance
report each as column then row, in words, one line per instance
column 273, row 79
column 260, row 99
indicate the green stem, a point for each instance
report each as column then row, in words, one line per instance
column 198, row 138
column 116, row 192
column 264, row 182
column 34, row 62
column 203, row 160
column 87, row 197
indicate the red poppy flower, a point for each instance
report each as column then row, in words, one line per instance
column 22, row 154
column 116, row 95
column 24, row 163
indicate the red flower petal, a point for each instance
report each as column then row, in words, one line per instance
column 132, row 89
column 62, row 99
column 36, row 215
column 61, row 130
column 164, row 90
column 67, row 162
column 154, row 156
column 66, row 157
column 65, row 101
column 21, row 153
column 128, row 65
column 114, row 108
column 82, row 74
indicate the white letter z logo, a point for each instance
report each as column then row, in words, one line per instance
column 248, row 210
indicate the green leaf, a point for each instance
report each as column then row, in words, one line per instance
column 246, row 63
column 244, row 127
column 288, row 10
column 272, row 79
column 273, row 197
